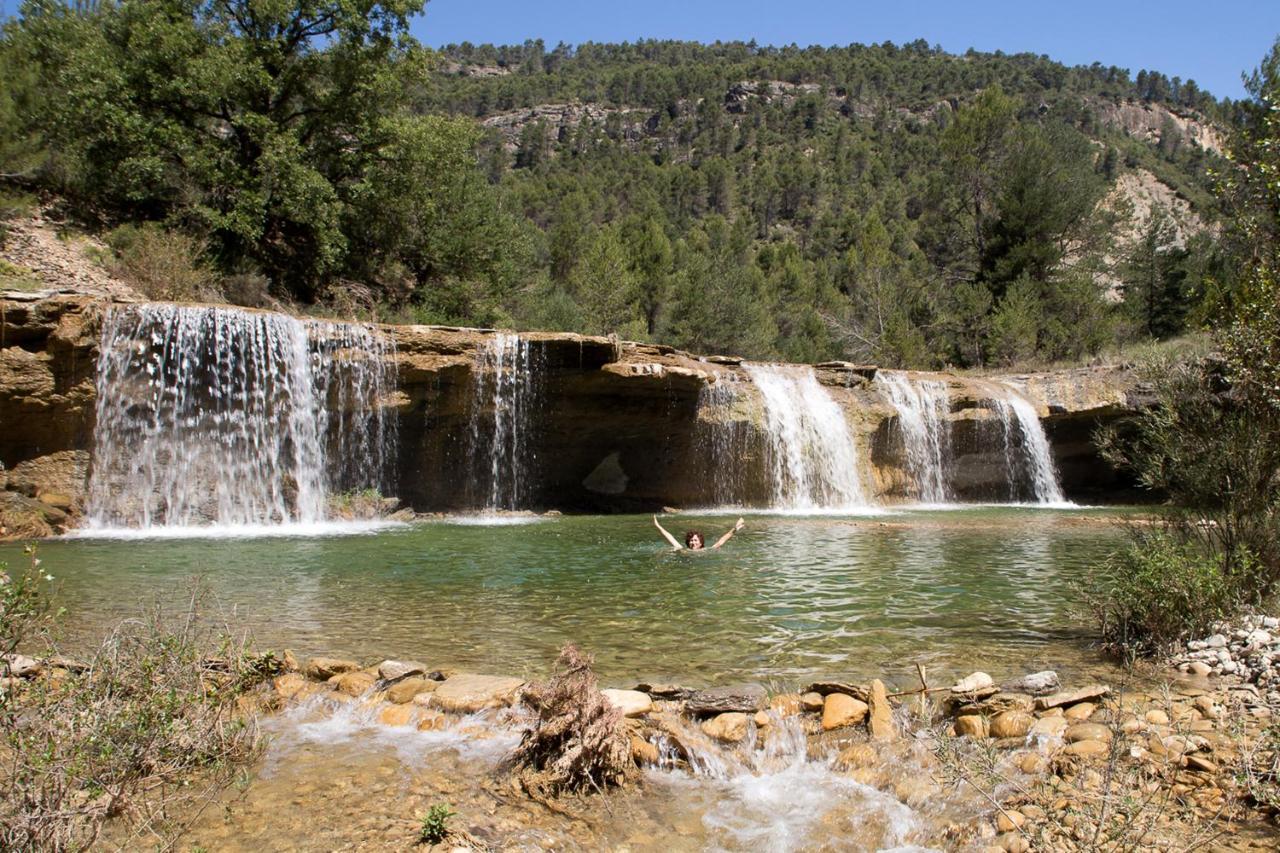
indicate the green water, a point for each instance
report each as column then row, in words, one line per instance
column 788, row 599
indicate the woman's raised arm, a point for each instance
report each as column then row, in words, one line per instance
column 675, row 546
column 725, row 538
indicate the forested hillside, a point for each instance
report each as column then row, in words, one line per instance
column 897, row 205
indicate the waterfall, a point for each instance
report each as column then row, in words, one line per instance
column 1023, row 430
column 504, row 406
column 812, row 454
column 216, row 416
column 721, row 440
column 922, row 407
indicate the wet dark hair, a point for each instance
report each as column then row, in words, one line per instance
column 689, row 534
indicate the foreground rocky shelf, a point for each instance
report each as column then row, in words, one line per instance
column 1083, row 767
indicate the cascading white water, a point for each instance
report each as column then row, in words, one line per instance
column 721, row 439
column 922, row 406
column 216, row 416
column 505, row 397
column 1023, row 430
column 813, row 456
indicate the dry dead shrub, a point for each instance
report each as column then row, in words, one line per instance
column 578, row 742
column 164, row 265
column 132, row 747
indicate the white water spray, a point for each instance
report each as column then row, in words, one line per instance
column 1020, row 420
column 922, row 406
column 505, row 397
column 812, row 453
column 216, row 416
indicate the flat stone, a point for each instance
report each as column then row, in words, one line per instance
column 730, row 727
column 741, row 698
column 632, row 703
column 880, row 720
column 1035, row 684
column 392, row 670
column 1087, row 731
column 823, row 688
column 406, row 690
column 973, row 683
column 1201, row 764
column 666, row 691
column 322, row 669
column 1072, row 697
column 466, row 693
column 841, row 709
column 1011, row 724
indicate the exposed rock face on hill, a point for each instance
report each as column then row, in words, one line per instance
column 610, row 426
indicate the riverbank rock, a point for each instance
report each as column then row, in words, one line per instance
column 672, row 692
column 841, row 709
column 1011, row 724
column 393, row 670
column 741, row 698
column 973, row 683
column 467, row 693
column 355, row 683
column 632, row 703
column 322, row 669
column 972, row 725
column 729, row 727
column 1072, row 697
column 408, row 689
column 825, row 688
column 880, row 721
column 1035, row 684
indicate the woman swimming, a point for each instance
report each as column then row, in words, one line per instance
column 693, row 540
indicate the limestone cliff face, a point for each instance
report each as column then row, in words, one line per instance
column 612, row 426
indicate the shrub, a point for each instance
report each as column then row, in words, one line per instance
column 1160, row 590
column 578, row 741
column 164, row 265
column 435, row 826
column 134, row 743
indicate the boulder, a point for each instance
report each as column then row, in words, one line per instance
column 355, row 683
column 322, row 669
column 811, row 701
column 1080, row 712
column 1048, row 727
column 392, row 670
column 972, row 683
column 1087, row 731
column 730, row 727
column 1087, row 749
column 397, row 715
column 632, row 703
column 466, row 693
column 972, row 725
column 880, row 719
column 289, row 685
column 406, row 690
column 642, row 752
column 841, row 709
column 19, row 666
column 741, row 698
column 1072, row 697
column 1011, row 724
column 1035, row 684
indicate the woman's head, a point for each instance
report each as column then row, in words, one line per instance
column 693, row 539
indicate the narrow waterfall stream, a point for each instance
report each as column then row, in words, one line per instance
column 504, row 402
column 216, row 416
column 812, row 454
column 1028, row 456
column 922, row 406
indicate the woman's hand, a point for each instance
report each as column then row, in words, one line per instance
column 741, row 524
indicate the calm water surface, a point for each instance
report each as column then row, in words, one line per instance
column 788, row 599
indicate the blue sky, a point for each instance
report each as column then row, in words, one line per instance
column 1208, row 42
